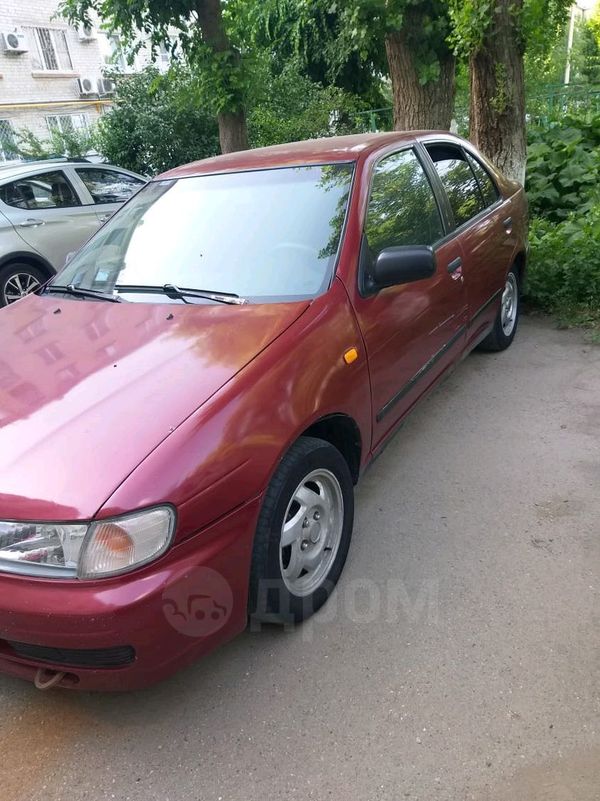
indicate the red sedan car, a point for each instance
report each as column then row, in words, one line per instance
column 185, row 408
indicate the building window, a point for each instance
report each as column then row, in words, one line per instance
column 67, row 123
column 52, row 50
column 50, row 353
column 113, row 53
column 7, row 141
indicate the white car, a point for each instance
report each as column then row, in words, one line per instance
column 49, row 209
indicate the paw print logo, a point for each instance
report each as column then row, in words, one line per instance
column 199, row 604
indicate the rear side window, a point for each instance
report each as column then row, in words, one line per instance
column 458, row 179
column 48, row 190
column 484, row 179
column 109, row 186
column 402, row 208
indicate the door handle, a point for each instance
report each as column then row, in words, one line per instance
column 106, row 217
column 31, row 223
column 454, row 265
column 507, row 223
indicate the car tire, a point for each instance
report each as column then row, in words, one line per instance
column 507, row 319
column 19, row 274
column 303, row 533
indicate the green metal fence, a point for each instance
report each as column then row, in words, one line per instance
column 581, row 100
column 549, row 105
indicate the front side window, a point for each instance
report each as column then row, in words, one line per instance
column 108, row 186
column 458, row 180
column 265, row 235
column 402, row 208
column 48, row 190
column 52, row 52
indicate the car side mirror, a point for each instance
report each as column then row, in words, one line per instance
column 402, row 265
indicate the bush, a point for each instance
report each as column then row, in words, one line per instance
column 289, row 107
column 564, row 265
column 76, row 143
column 156, row 122
column 563, row 168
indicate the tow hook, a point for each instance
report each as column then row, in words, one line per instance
column 42, row 682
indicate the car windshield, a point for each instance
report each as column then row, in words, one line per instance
column 265, row 235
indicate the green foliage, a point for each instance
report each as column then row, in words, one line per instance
column 585, row 56
column 307, row 34
column 192, row 28
column 354, row 31
column 537, row 23
column 156, row 122
column 563, row 168
column 563, row 275
column 75, row 143
column 289, row 107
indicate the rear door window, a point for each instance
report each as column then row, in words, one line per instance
column 484, row 179
column 48, row 190
column 458, row 179
column 402, row 207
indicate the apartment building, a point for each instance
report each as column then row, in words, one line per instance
column 53, row 74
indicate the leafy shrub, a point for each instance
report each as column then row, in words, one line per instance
column 75, row 143
column 289, row 107
column 157, row 122
column 563, row 168
column 564, row 264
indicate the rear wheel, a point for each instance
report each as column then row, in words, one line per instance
column 303, row 533
column 507, row 320
column 17, row 280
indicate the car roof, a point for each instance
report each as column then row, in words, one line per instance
column 310, row 151
column 19, row 169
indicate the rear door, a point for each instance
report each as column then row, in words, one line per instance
column 48, row 214
column 482, row 224
column 414, row 331
column 108, row 188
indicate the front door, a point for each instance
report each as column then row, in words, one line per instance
column 412, row 332
column 47, row 213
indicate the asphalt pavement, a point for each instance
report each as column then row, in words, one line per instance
column 458, row 659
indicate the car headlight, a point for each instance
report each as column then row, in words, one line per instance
column 86, row 550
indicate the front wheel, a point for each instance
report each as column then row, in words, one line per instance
column 303, row 533
column 507, row 320
column 17, row 280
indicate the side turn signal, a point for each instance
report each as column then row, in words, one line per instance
column 350, row 355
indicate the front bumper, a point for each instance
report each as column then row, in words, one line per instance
column 128, row 632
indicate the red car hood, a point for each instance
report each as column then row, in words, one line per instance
column 88, row 389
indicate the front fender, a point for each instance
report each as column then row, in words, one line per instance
column 226, row 452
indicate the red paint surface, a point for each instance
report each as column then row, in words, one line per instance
column 106, row 408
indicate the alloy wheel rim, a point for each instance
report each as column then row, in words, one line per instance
column 510, row 301
column 19, row 285
column 311, row 532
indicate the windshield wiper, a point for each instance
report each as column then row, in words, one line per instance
column 173, row 291
column 80, row 292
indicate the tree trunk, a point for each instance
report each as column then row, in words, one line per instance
column 418, row 105
column 233, row 132
column 497, row 113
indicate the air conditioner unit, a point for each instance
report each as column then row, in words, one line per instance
column 106, row 86
column 87, row 86
column 87, row 33
column 14, row 42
